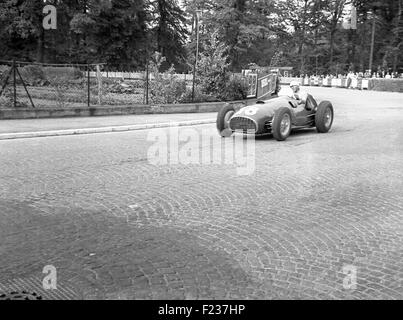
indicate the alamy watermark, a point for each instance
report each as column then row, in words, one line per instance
column 49, row 22
column 350, row 280
column 49, row 282
column 188, row 145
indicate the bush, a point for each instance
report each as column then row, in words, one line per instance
column 138, row 84
column 235, row 89
column 3, row 74
column 7, row 100
column 212, row 68
column 33, row 75
column 124, row 87
column 64, row 73
column 166, row 89
column 198, row 97
column 392, row 85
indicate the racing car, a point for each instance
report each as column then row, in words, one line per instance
column 277, row 115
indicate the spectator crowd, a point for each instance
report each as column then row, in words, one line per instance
column 357, row 75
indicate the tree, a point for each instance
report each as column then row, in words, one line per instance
column 303, row 20
column 170, row 32
column 212, row 67
column 113, row 32
column 122, row 33
column 20, row 25
column 387, row 17
column 244, row 27
column 334, row 10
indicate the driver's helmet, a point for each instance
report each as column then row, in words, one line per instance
column 294, row 83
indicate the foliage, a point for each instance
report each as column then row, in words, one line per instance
column 37, row 75
column 123, row 87
column 7, row 99
column 235, row 89
column 212, row 68
column 33, row 75
column 164, row 87
column 304, row 34
column 65, row 73
column 170, row 32
column 199, row 96
column 3, row 73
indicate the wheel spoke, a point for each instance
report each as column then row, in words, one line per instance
column 328, row 117
column 285, row 125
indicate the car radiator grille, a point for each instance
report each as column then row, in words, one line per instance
column 269, row 125
column 244, row 124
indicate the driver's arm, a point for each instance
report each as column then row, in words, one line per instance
column 303, row 96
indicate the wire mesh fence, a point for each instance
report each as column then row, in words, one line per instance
column 17, row 94
column 119, row 88
column 34, row 85
column 44, row 85
column 69, row 85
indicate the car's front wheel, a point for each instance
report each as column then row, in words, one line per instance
column 223, row 119
column 281, row 126
column 324, row 117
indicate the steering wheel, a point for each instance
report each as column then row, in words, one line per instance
column 293, row 104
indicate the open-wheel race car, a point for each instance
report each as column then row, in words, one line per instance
column 277, row 116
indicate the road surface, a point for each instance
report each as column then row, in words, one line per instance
column 319, row 216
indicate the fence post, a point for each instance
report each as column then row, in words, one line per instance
column 99, row 78
column 147, row 76
column 193, row 83
column 25, row 87
column 88, row 85
column 14, row 85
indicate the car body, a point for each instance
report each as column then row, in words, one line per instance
column 277, row 115
column 257, row 118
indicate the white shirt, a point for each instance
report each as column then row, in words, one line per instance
column 300, row 95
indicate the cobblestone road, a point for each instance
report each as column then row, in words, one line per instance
column 117, row 227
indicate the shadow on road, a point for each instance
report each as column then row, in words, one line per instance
column 295, row 132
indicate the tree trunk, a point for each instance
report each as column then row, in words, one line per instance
column 351, row 48
column 394, row 43
column 40, row 46
column 363, row 44
column 301, row 45
column 371, row 54
column 331, row 48
column 336, row 15
column 301, row 57
column 395, row 59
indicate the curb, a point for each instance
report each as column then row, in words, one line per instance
column 68, row 132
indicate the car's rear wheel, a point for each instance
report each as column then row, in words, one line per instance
column 324, row 117
column 281, row 126
column 223, row 119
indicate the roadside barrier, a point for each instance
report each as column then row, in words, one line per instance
column 393, row 85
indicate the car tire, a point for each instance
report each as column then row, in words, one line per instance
column 324, row 117
column 281, row 125
column 223, row 117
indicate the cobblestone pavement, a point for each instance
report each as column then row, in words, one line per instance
column 117, row 227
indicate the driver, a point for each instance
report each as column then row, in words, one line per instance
column 300, row 95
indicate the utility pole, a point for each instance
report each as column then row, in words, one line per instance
column 371, row 55
column 197, row 53
column 147, row 77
